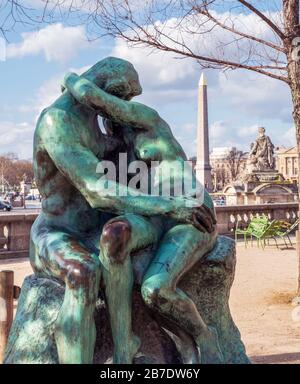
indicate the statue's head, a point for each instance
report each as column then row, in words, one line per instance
column 115, row 76
column 261, row 131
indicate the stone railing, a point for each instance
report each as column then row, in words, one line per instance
column 15, row 226
column 14, row 234
column 228, row 216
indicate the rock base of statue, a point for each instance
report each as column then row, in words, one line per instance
column 31, row 338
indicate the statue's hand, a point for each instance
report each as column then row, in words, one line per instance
column 69, row 80
column 202, row 217
column 78, row 86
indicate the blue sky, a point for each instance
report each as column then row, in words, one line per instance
column 239, row 101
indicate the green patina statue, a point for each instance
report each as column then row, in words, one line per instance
column 78, row 212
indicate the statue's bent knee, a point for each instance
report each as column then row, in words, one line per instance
column 153, row 293
column 81, row 275
column 115, row 238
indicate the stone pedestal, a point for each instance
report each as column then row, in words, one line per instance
column 261, row 187
column 31, row 338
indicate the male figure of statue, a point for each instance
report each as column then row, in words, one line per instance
column 65, row 237
column 180, row 243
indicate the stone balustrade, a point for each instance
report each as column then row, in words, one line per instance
column 228, row 216
column 14, row 234
column 15, row 226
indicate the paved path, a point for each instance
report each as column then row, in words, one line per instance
column 264, row 286
column 261, row 304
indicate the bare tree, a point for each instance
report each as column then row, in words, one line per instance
column 234, row 163
column 12, row 170
column 228, row 169
column 220, row 178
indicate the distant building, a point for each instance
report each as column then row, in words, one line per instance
column 219, row 154
column 227, row 164
column 287, row 162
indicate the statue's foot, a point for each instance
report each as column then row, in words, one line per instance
column 140, row 358
column 191, row 356
column 126, row 355
column 190, row 353
column 210, row 348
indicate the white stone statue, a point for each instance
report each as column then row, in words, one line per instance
column 261, row 156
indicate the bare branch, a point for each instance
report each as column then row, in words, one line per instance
column 149, row 25
column 239, row 33
column 210, row 62
column 270, row 23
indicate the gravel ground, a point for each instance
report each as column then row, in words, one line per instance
column 261, row 304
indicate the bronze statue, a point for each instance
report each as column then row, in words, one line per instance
column 67, row 148
column 86, row 235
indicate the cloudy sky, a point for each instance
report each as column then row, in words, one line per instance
column 239, row 101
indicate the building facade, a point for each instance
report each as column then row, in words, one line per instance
column 287, row 162
column 227, row 163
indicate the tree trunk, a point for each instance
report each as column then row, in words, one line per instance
column 297, row 128
column 292, row 31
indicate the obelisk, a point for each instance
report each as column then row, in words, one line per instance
column 203, row 168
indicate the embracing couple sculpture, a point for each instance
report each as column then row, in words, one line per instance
column 78, row 218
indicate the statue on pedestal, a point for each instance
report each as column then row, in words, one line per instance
column 85, row 238
column 261, row 156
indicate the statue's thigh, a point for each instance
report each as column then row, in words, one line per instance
column 58, row 252
column 180, row 248
column 143, row 231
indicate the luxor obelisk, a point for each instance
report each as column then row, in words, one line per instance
column 203, row 168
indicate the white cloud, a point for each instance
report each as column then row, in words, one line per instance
column 225, row 134
column 218, row 130
column 48, row 92
column 289, row 137
column 185, row 134
column 256, row 95
column 247, row 132
column 16, row 137
column 57, row 42
column 158, row 68
column 222, row 134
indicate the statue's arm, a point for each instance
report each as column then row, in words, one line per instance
column 270, row 142
column 253, row 149
column 76, row 162
column 109, row 106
